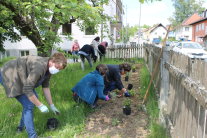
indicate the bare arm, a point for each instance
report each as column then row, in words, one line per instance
column 34, row 100
column 47, row 95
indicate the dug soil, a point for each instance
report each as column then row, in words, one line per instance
column 108, row 120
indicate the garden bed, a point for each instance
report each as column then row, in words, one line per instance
column 108, row 119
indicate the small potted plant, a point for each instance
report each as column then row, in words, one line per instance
column 127, row 106
column 127, row 77
column 133, row 68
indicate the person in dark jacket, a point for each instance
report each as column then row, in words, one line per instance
column 87, row 51
column 90, row 87
column 21, row 76
column 102, row 49
column 112, row 78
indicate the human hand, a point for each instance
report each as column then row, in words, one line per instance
column 54, row 109
column 126, row 94
column 43, row 108
column 107, row 98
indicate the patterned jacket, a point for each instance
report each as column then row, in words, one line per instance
column 22, row 75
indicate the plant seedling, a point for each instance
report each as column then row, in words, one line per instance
column 115, row 122
column 131, row 92
column 127, row 108
column 127, row 102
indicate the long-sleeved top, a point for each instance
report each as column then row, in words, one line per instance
column 113, row 75
column 88, row 49
column 22, row 75
column 90, row 87
column 95, row 44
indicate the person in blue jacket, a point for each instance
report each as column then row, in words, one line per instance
column 90, row 87
column 112, row 78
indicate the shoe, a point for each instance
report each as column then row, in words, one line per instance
column 93, row 106
column 19, row 129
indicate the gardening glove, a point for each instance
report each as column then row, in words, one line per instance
column 126, row 94
column 54, row 109
column 107, row 98
column 43, row 108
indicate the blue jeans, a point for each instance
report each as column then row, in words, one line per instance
column 110, row 87
column 27, row 113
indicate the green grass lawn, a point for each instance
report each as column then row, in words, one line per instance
column 72, row 117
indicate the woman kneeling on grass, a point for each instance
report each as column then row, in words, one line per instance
column 90, row 87
column 20, row 77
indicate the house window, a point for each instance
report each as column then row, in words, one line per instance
column 186, row 29
column 66, row 29
column 196, row 28
column 206, row 30
column 90, row 31
column 24, row 53
column 202, row 26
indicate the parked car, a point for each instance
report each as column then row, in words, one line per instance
column 156, row 41
column 191, row 49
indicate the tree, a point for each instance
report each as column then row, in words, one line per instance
column 40, row 20
column 184, row 9
column 127, row 32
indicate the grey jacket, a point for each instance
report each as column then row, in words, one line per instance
column 22, row 75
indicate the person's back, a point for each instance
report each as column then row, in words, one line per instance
column 87, row 49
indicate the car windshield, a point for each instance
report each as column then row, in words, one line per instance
column 192, row 45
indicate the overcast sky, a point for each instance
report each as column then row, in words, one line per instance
column 151, row 13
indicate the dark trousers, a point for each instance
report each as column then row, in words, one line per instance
column 110, row 87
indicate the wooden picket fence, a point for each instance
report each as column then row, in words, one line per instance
column 125, row 51
column 181, row 83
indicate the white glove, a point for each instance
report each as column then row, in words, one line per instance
column 43, row 108
column 54, row 109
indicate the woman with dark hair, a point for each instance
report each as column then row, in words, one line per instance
column 112, row 78
column 102, row 49
column 90, row 87
column 95, row 44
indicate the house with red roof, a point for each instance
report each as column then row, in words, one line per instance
column 184, row 31
column 199, row 31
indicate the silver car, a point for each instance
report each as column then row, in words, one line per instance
column 191, row 49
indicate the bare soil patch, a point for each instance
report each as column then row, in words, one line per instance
column 109, row 121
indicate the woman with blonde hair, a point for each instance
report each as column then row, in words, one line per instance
column 75, row 49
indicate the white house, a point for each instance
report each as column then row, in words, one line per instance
column 184, row 31
column 114, row 9
column 20, row 48
column 157, row 31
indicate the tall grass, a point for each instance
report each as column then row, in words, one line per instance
column 156, row 130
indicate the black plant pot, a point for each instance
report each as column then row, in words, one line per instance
column 133, row 70
column 130, row 86
column 127, row 110
column 127, row 78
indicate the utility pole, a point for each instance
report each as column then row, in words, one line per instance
column 126, row 25
column 139, row 32
column 102, row 23
column 122, row 24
